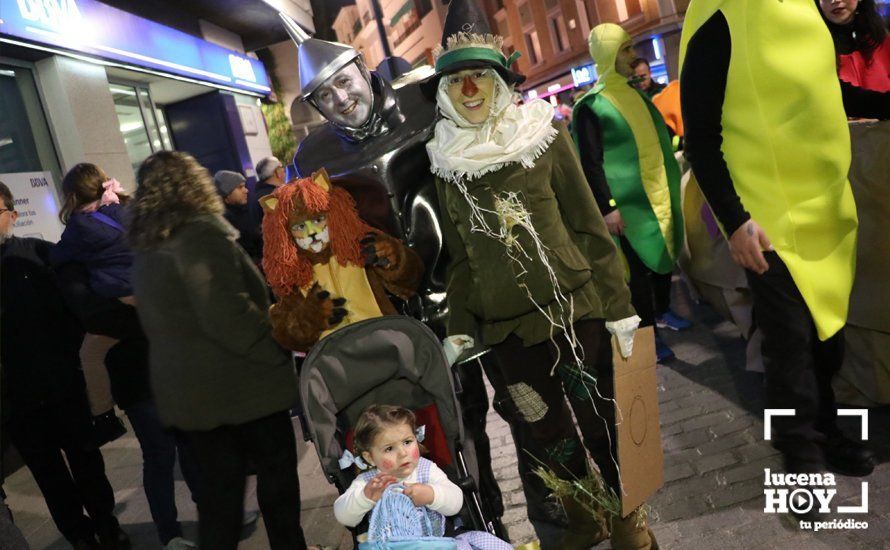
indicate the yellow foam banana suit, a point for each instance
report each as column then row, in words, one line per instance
column 786, row 142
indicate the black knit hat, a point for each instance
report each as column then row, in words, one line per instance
column 467, row 43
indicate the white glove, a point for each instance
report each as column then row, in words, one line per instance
column 455, row 345
column 624, row 330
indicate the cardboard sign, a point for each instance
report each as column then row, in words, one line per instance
column 640, row 457
column 34, row 194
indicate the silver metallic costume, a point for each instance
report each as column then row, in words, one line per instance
column 383, row 163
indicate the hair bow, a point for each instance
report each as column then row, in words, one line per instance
column 112, row 188
column 348, row 459
column 420, row 433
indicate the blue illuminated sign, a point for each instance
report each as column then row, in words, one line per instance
column 94, row 29
column 583, row 75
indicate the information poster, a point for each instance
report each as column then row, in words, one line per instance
column 36, row 203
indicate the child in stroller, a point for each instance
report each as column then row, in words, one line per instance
column 391, row 359
column 387, row 440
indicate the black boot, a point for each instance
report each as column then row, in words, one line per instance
column 86, row 544
column 106, row 428
column 113, row 539
column 847, row 457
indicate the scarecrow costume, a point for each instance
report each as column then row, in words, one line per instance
column 532, row 267
column 343, row 277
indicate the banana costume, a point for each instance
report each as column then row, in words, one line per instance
column 787, row 145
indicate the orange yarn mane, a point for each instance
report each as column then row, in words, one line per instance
column 287, row 269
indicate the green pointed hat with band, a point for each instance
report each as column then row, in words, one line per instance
column 467, row 43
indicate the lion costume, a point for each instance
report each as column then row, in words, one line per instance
column 327, row 267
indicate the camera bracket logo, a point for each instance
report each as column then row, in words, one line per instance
column 802, row 493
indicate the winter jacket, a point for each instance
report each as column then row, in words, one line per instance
column 204, row 307
column 127, row 360
column 483, row 281
column 39, row 337
column 249, row 235
column 98, row 241
column 873, row 74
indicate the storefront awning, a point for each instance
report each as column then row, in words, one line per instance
column 97, row 31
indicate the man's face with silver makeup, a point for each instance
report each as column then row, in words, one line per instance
column 345, row 98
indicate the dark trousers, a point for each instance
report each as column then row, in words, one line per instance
column 222, row 454
column 474, row 409
column 799, row 367
column 11, row 537
column 650, row 292
column 41, row 437
column 159, row 451
column 541, row 400
column 544, row 512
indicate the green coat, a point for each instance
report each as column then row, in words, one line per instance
column 204, row 307
column 483, row 282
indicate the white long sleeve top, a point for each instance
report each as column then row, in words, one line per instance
column 353, row 505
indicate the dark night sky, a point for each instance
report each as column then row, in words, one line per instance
column 324, row 12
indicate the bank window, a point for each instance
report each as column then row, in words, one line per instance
column 25, row 141
column 141, row 124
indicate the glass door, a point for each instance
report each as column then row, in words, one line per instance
column 142, row 124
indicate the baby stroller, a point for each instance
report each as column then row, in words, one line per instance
column 393, row 360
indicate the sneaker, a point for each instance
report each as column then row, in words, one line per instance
column 180, row 543
column 662, row 351
column 672, row 321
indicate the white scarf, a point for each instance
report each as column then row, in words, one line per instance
column 461, row 150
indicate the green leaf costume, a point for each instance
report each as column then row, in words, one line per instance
column 639, row 163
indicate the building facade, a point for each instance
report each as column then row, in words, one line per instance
column 112, row 82
column 552, row 35
column 413, row 29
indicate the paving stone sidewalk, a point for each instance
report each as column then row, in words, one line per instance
column 714, row 455
column 712, row 432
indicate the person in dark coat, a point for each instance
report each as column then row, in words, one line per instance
column 44, row 405
column 11, row 537
column 94, row 213
column 127, row 364
column 271, row 174
column 232, row 187
column 216, row 371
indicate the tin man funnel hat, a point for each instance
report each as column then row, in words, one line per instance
column 318, row 59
